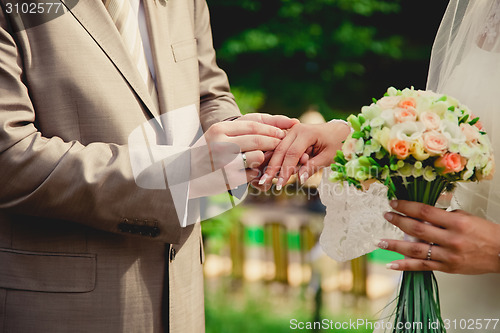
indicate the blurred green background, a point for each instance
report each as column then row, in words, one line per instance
column 282, row 56
column 263, row 267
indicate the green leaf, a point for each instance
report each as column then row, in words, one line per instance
column 364, row 161
column 463, row 119
column 442, row 99
column 357, row 135
column 354, row 121
column 373, row 162
column 339, row 158
column 474, row 121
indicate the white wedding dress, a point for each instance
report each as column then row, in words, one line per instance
column 465, row 63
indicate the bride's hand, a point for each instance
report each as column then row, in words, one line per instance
column 463, row 243
column 325, row 139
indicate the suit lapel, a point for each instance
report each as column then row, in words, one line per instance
column 93, row 17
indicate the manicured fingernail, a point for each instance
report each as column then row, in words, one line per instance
column 382, row 244
column 280, row 133
column 263, row 179
column 388, row 216
column 279, row 184
column 392, row 266
column 304, row 177
column 393, row 203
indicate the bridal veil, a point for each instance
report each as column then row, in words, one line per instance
column 465, row 63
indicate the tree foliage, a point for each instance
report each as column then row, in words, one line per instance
column 334, row 54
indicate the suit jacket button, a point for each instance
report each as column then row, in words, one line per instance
column 172, row 254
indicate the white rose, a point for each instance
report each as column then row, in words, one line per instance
column 388, row 102
column 371, row 112
column 466, row 150
column 467, row 174
column 408, row 131
column 440, row 108
column 388, row 116
column 452, row 132
column 377, row 122
column 450, row 116
column 409, row 92
column 391, row 91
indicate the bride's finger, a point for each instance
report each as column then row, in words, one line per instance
column 276, row 161
column 414, row 250
column 292, row 158
column 436, row 216
column 416, row 265
column 424, row 231
column 304, row 158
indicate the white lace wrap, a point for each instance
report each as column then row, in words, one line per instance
column 354, row 221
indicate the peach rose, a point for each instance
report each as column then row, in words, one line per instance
column 479, row 125
column 402, row 115
column 435, row 143
column 430, row 119
column 400, row 148
column 451, row 162
column 471, row 133
column 408, row 103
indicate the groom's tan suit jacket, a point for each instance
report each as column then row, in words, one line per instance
column 82, row 247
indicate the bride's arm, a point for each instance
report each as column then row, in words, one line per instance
column 463, row 243
column 324, row 139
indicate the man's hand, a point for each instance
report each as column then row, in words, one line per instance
column 219, row 150
column 279, row 121
column 313, row 145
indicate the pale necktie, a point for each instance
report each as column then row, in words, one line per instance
column 127, row 24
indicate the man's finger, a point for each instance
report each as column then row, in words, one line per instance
column 279, row 121
column 242, row 127
column 255, row 142
column 254, row 159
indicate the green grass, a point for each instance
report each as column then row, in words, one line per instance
column 259, row 308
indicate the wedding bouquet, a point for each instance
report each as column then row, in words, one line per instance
column 419, row 144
